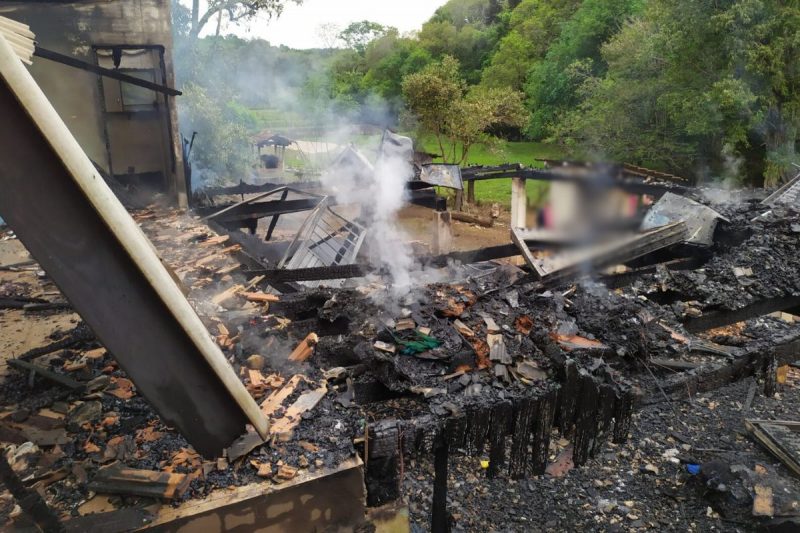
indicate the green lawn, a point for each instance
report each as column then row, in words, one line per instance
column 491, row 191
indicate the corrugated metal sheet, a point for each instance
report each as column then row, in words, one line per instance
column 20, row 37
column 788, row 194
column 325, row 239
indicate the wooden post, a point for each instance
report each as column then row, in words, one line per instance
column 440, row 518
column 442, row 239
column 519, row 203
column 471, row 192
column 459, row 201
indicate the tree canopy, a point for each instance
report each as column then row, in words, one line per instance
column 702, row 88
column 458, row 118
column 233, row 11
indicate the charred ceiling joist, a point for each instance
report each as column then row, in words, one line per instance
column 84, row 239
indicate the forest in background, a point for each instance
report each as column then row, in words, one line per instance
column 704, row 89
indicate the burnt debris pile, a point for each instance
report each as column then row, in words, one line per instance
column 493, row 363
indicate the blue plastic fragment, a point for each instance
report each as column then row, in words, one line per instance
column 693, row 469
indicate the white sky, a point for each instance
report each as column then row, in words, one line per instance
column 298, row 26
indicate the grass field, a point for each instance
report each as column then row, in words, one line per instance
column 491, row 191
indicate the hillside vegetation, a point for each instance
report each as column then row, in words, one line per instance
column 706, row 89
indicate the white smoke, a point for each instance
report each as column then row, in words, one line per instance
column 381, row 193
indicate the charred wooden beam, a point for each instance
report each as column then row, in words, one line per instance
column 274, row 222
column 616, row 281
column 440, row 518
column 382, row 460
column 588, row 405
column 117, row 479
column 623, row 416
column 248, row 188
column 286, row 275
column 525, row 412
column 80, row 333
column 502, row 416
column 633, row 186
column 717, row 375
column 29, row 500
column 540, row 436
column 258, row 210
column 716, row 319
column 102, row 71
column 48, row 374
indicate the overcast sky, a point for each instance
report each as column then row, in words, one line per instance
column 298, row 26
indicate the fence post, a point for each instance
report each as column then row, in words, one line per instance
column 519, row 203
column 442, row 239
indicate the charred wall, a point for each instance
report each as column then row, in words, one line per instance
column 129, row 132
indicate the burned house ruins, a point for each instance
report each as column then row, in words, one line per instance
column 214, row 370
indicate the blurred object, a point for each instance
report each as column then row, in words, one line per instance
column 583, row 261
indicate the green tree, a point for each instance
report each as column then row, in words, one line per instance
column 234, row 11
column 553, row 83
column 388, row 60
column 697, row 87
column 458, row 118
column 533, row 26
column 465, row 29
column 357, row 35
column 222, row 149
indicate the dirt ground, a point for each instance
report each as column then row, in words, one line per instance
column 23, row 331
column 418, row 222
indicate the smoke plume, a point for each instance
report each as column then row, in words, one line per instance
column 380, row 191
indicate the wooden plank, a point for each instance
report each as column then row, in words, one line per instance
column 260, row 297
column 227, row 269
column 305, row 348
column 463, row 328
column 284, row 426
column 117, row 479
column 491, row 325
column 775, row 446
column 674, row 364
column 213, row 241
column 275, row 399
column 102, row 71
column 537, row 270
column 227, row 294
column 497, row 349
column 263, row 505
